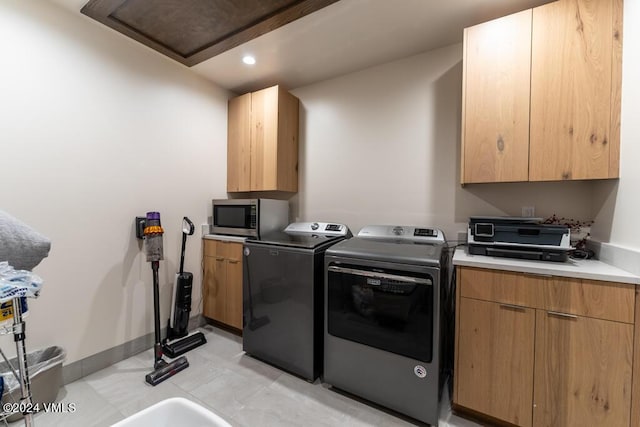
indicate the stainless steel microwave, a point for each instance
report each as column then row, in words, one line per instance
column 249, row 217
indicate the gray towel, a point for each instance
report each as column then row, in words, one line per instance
column 20, row 245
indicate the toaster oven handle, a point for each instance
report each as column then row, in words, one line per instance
column 376, row 275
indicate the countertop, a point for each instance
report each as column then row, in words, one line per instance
column 580, row 269
column 224, row 238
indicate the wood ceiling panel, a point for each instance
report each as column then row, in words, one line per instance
column 191, row 31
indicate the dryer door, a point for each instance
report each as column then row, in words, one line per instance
column 384, row 308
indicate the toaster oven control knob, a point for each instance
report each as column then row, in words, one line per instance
column 314, row 226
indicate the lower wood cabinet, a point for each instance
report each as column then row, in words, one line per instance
column 544, row 351
column 222, row 282
column 496, row 359
column 582, row 371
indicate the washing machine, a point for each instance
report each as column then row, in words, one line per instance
column 283, row 295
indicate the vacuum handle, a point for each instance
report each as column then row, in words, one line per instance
column 187, row 226
column 187, row 230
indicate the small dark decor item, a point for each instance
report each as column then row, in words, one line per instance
column 580, row 233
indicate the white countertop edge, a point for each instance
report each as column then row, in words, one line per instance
column 224, row 238
column 579, row 269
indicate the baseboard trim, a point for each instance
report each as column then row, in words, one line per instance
column 83, row 367
column 222, row 326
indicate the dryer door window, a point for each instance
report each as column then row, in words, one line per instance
column 388, row 309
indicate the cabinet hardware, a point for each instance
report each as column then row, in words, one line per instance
column 555, row 313
column 233, row 261
column 513, row 307
column 219, row 258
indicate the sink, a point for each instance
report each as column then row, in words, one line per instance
column 176, row 411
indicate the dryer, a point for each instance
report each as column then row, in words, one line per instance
column 383, row 302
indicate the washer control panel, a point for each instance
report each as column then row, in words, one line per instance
column 324, row 228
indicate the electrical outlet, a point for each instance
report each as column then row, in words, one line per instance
column 528, row 211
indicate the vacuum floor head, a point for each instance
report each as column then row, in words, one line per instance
column 179, row 347
column 164, row 370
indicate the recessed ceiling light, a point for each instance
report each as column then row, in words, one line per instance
column 249, row 60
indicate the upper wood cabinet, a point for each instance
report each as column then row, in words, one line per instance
column 495, row 130
column 239, row 143
column 541, row 94
column 575, row 90
column 262, row 142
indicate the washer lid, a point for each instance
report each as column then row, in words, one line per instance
column 295, row 240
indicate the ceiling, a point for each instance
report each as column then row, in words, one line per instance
column 343, row 37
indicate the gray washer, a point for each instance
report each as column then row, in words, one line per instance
column 283, row 296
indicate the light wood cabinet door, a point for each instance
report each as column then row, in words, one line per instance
column 506, row 287
column 582, row 371
column 495, row 119
column 214, row 289
column 208, row 267
column 274, row 140
column 575, row 80
column 222, row 282
column 239, row 144
column 287, row 151
column 264, row 139
column 262, row 142
column 234, row 285
column 590, row 298
column 494, row 371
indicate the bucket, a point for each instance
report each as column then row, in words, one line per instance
column 45, row 373
column 175, row 411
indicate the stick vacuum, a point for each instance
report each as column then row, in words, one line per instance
column 153, row 246
column 178, row 340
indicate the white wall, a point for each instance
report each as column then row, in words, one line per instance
column 382, row 146
column 94, row 130
column 617, row 203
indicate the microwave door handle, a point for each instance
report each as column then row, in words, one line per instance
column 376, row 275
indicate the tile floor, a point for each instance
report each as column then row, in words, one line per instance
column 244, row 391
